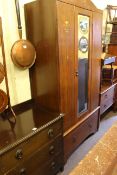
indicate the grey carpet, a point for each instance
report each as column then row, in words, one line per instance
column 106, row 122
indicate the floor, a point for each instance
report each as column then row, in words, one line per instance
column 106, row 122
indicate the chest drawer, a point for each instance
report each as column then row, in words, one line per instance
column 24, row 150
column 108, row 95
column 31, row 167
column 75, row 137
column 41, row 157
column 107, row 99
column 105, row 105
column 52, row 167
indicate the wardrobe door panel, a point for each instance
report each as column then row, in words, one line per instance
column 41, row 29
column 66, row 60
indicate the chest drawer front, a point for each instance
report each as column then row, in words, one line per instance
column 31, row 167
column 52, row 167
column 75, row 138
column 11, row 159
column 105, row 105
column 108, row 95
column 48, row 152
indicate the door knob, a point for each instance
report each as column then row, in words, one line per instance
column 76, row 73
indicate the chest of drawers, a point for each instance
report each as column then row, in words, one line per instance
column 38, row 153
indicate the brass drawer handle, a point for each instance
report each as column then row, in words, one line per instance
column 51, row 150
column 19, row 154
column 51, row 133
column 23, row 171
column 53, row 164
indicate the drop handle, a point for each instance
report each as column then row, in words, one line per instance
column 19, row 154
column 76, row 73
column 51, row 150
column 51, row 133
column 53, row 164
column 23, row 171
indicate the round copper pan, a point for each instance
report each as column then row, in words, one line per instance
column 2, row 73
column 23, row 54
column 3, row 100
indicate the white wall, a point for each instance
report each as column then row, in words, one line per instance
column 19, row 83
column 102, row 5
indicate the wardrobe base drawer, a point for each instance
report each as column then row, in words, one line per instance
column 73, row 139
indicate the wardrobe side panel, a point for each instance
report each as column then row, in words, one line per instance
column 96, row 55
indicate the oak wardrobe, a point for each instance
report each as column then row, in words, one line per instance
column 66, row 74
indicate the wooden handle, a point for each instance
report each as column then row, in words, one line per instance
column 18, row 17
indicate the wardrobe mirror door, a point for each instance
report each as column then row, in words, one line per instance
column 83, row 61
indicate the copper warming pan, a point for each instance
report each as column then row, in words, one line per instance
column 23, row 53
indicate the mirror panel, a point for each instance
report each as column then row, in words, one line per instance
column 83, row 60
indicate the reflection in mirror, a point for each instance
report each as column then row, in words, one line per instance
column 83, row 44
